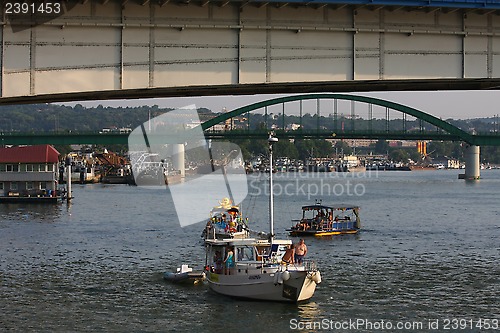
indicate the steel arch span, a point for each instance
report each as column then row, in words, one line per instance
column 439, row 123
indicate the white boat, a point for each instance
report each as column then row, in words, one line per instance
column 260, row 269
column 184, row 274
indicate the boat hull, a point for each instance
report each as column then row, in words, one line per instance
column 318, row 233
column 299, row 287
column 335, row 232
column 41, row 200
column 184, row 277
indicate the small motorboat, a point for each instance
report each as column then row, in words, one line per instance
column 320, row 220
column 185, row 274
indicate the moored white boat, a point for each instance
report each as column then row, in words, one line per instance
column 260, row 269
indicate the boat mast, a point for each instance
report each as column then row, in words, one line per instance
column 271, row 140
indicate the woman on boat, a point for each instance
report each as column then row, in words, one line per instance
column 229, row 261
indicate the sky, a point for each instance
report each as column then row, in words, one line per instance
column 441, row 104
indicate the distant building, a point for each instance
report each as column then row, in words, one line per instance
column 359, row 142
column 219, row 127
column 402, row 143
column 446, row 162
column 292, row 127
column 28, row 172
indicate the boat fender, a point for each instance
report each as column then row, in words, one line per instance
column 315, row 276
column 280, row 278
column 285, row 275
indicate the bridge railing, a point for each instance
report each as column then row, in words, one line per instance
column 97, row 137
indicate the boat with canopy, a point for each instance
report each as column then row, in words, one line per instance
column 322, row 220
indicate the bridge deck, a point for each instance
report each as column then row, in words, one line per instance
column 480, row 4
column 137, row 49
column 107, row 139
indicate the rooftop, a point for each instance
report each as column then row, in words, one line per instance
column 29, row 154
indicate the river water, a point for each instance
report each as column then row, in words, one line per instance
column 428, row 256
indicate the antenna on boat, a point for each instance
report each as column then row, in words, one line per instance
column 271, row 140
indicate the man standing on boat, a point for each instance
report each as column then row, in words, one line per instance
column 300, row 251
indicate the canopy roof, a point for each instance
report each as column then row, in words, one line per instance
column 332, row 207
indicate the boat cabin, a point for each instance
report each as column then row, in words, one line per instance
column 249, row 256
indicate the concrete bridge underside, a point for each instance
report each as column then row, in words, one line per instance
column 131, row 49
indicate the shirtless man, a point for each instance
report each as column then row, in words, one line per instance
column 300, row 251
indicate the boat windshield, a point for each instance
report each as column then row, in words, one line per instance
column 245, row 253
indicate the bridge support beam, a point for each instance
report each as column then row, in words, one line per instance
column 472, row 168
column 178, row 158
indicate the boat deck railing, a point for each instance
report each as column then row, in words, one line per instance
column 310, row 265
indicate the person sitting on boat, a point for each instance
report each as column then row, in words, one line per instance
column 300, row 251
column 330, row 220
column 229, row 261
column 320, row 215
column 304, row 226
column 289, row 256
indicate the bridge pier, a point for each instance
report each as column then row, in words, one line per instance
column 472, row 167
column 178, row 158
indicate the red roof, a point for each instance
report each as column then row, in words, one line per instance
column 29, row 154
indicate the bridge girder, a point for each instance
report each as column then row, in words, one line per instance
column 262, row 88
column 451, row 129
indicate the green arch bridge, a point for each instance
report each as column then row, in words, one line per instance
column 430, row 127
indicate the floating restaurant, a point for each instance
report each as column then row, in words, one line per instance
column 29, row 174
